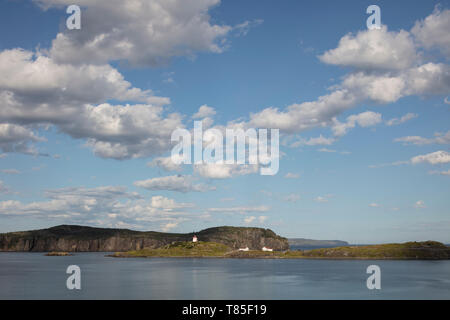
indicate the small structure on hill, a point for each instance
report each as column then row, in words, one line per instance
column 244, row 249
column 266, row 249
column 194, row 238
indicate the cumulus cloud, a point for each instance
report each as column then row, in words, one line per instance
column 16, row 138
column 250, row 219
column 108, row 206
column 386, row 66
column 68, row 85
column 203, row 112
column 177, row 183
column 35, row 78
column 373, row 49
column 224, row 171
column 432, row 32
column 38, row 91
column 364, row 119
column 165, row 163
column 141, row 32
column 438, row 157
column 402, row 119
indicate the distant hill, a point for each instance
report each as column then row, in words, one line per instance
column 426, row 250
column 72, row 238
column 300, row 242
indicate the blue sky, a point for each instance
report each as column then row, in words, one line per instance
column 369, row 166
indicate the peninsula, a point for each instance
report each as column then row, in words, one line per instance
column 217, row 242
column 72, row 238
column 428, row 250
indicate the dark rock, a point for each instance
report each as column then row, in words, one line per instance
column 73, row 238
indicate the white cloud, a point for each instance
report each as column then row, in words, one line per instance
column 11, row 171
column 167, row 204
column 403, row 119
column 321, row 199
column 243, row 28
column 203, row 112
column 386, row 68
column 108, row 206
column 169, row 226
column 396, row 163
column 250, row 219
column 291, row 175
column 438, row 157
column 373, row 49
column 364, row 119
column 39, row 80
column 419, row 204
column 433, row 31
column 177, row 183
column 40, row 91
column 439, row 138
column 374, row 205
column 240, row 210
column 224, row 171
column 442, row 173
column 262, row 219
column 142, row 32
column 305, row 116
column 16, row 138
column 165, row 163
column 320, row 140
column 292, row 197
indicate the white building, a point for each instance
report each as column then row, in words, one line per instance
column 266, row 249
column 194, row 239
column 244, row 249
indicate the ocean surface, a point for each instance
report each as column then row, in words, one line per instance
column 35, row 276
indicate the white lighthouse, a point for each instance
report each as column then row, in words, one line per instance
column 194, row 238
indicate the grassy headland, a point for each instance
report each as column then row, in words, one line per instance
column 428, row 250
column 180, row 249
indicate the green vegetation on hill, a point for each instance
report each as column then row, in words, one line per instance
column 180, row 249
column 411, row 250
column 408, row 250
column 72, row 238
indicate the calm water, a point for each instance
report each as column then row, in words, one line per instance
column 35, row 276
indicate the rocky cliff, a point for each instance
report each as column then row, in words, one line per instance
column 84, row 239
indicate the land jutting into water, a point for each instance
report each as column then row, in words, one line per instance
column 428, row 250
column 217, row 242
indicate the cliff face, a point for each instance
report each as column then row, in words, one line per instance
column 87, row 239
